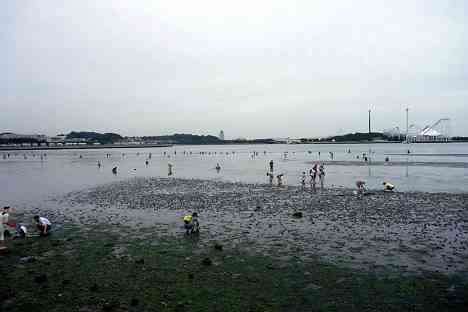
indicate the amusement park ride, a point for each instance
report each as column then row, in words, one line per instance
column 439, row 131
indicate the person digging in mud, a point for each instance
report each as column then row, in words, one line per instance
column 43, row 225
column 388, row 187
column 271, row 165
column 114, row 170
column 218, row 167
column 21, row 231
column 191, row 224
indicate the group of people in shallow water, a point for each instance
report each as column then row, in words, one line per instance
column 17, row 230
column 316, row 172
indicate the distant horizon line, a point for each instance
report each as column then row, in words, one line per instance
column 213, row 135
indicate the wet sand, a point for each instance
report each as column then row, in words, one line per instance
column 402, row 232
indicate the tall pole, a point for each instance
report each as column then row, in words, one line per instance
column 369, row 126
column 369, row 142
column 407, row 125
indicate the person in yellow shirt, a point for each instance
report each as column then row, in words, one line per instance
column 191, row 224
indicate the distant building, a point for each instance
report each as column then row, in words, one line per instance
column 293, row 141
column 221, row 135
column 57, row 139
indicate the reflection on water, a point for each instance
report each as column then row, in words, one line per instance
column 407, row 166
column 27, row 175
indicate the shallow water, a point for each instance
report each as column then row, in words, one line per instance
column 25, row 176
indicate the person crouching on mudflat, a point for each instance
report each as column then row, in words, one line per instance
column 388, row 187
column 191, row 224
column 43, row 225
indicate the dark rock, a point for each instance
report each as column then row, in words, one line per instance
column 66, row 282
column 134, row 302
column 340, row 280
column 7, row 304
column 313, row 286
column 191, row 276
column 108, row 306
column 207, row 262
column 297, row 214
column 218, row 247
column 94, row 287
column 41, row 278
column 4, row 250
column 140, row 261
column 28, row 259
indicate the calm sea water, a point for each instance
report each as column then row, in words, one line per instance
column 64, row 171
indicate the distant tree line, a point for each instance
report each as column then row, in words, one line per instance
column 254, row 141
column 355, row 137
column 94, row 137
column 189, row 139
column 358, row 136
column 21, row 141
column 460, row 139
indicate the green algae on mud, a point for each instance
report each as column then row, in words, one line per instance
column 100, row 268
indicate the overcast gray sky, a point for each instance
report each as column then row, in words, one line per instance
column 260, row 68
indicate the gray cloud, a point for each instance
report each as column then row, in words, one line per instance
column 252, row 68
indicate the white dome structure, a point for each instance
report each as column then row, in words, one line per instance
column 437, row 132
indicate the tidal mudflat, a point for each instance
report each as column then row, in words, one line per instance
column 121, row 247
column 404, row 232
